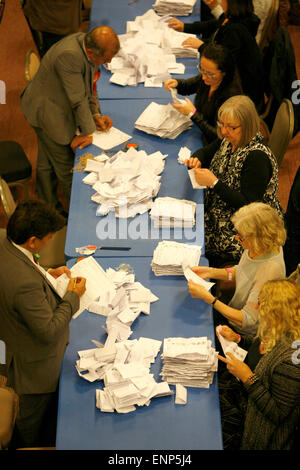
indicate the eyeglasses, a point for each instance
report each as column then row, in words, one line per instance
column 227, row 126
column 203, row 72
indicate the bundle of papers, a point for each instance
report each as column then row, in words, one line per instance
column 126, row 183
column 125, row 369
column 148, row 52
column 231, row 347
column 171, row 212
column 162, row 120
column 174, row 7
column 169, row 256
column 190, row 362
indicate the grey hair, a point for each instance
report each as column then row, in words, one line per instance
column 241, row 108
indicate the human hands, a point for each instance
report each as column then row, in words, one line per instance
column 176, row 24
column 236, row 367
column 211, row 3
column 170, row 83
column 59, row 271
column 193, row 163
column 202, row 271
column 77, row 285
column 185, row 108
column 204, row 177
column 227, row 333
column 199, row 292
column 194, row 43
column 81, row 141
column 103, row 123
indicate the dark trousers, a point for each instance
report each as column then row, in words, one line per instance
column 54, row 165
column 36, row 421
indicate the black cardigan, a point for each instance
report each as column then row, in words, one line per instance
column 207, row 108
column 238, row 35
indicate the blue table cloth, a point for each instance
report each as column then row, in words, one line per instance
column 162, row 425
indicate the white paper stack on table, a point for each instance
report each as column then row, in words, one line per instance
column 146, row 54
column 162, row 120
column 171, row 212
column 174, row 7
column 125, row 369
column 190, row 362
column 168, row 257
column 126, row 183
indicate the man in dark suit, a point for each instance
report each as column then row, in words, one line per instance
column 61, row 104
column 34, row 319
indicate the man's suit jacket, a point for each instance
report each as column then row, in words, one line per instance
column 34, row 323
column 60, row 99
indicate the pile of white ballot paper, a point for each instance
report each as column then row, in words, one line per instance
column 162, row 120
column 169, row 256
column 174, row 7
column 148, row 52
column 126, row 183
column 190, row 362
column 172, row 212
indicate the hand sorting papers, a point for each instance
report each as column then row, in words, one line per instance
column 174, row 7
column 190, row 362
column 194, row 182
column 126, row 183
column 191, row 276
column 124, row 367
column 162, row 120
column 171, row 212
column 148, row 52
column 231, row 346
column 169, row 256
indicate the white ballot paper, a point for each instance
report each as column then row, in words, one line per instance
column 194, row 182
column 175, row 98
column 111, row 138
column 183, row 155
column 181, row 395
column 231, row 346
column 191, row 276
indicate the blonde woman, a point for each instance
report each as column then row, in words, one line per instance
column 237, row 170
column 260, row 231
column 269, row 379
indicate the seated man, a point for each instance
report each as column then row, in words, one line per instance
column 34, row 320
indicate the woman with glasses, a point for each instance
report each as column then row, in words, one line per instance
column 218, row 80
column 261, row 410
column 261, row 234
column 237, row 169
column 236, row 29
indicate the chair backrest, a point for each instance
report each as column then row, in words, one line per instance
column 282, row 130
column 7, row 199
column 32, row 63
column 9, row 405
column 268, row 26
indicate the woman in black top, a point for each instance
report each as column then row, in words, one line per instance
column 218, row 81
column 237, row 170
column 235, row 29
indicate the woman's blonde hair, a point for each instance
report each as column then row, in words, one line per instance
column 262, row 225
column 279, row 313
column 242, row 109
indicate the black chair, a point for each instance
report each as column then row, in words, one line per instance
column 15, row 168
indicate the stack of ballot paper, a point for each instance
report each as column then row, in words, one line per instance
column 190, row 362
column 174, row 7
column 231, row 347
column 126, row 183
column 148, row 52
column 125, row 370
column 171, row 212
column 162, row 120
column 169, row 256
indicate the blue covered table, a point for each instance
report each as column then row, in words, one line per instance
column 161, row 425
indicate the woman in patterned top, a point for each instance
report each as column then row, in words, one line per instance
column 263, row 406
column 238, row 168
